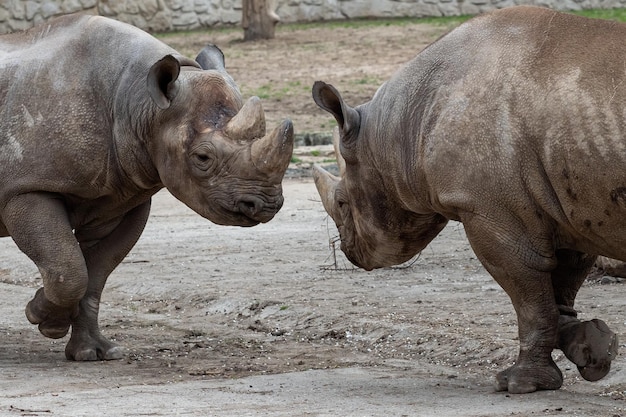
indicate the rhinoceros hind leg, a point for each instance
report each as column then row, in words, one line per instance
column 54, row 321
column 524, row 379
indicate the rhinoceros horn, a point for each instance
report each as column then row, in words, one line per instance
column 249, row 123
column 327, row 182
column 272, row 153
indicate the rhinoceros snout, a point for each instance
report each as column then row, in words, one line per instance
column 258, row 209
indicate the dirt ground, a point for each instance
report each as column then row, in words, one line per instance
column 271, row 320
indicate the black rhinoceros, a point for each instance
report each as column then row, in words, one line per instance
column 95, row 117
column 502, row 124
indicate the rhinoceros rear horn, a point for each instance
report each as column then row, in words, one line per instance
column 162, row 81
column 211, row 57
column 248, row 123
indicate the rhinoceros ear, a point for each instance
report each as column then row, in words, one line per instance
column 162, row 78
column 329, row 99
column 211, row 57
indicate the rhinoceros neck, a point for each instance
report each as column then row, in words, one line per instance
column 133, row 114
column 396, row 144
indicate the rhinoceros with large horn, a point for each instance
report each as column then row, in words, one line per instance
column 502, row 124
column 96, row 116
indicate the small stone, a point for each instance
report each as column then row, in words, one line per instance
column 608, row 280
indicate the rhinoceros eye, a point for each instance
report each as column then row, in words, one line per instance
column 204, row 158
column 202, row 161
column 341, row 199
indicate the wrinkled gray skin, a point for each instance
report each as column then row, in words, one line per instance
column 502, row 125
column 95, row 117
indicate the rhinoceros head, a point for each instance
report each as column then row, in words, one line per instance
column 212, row 150
column 375, row 227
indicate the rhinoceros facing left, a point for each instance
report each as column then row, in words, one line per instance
column 95, row 117
column 502, row 124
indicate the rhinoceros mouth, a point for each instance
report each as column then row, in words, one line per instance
column 249, row 210
column 350, row 248
column 257, row 209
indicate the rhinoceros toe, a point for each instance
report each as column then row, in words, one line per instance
column 93, row 351
column 114, row 353
column 523, row 379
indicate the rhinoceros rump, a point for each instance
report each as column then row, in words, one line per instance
column 95, row 117
column 502, row 124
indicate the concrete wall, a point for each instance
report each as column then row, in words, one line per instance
column 167, row 15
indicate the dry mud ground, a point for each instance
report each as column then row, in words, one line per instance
column 270, row 320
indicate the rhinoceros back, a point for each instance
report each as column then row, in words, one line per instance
column 61, row 84
column 533, row 101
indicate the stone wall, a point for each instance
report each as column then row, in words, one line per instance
column 168, row 15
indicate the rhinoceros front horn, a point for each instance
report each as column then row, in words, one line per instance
column 326, row 183
column 271, row 154
column 249, row 123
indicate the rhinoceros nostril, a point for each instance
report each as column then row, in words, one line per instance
column 259, row 209
column 250, row 206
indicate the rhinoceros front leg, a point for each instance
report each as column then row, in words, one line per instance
column 39, row 225
column 591, row 345
column 522, row 265
column 102, row 255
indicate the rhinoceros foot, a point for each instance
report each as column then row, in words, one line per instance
column 54, row 321
column 85, row 347
column 591, row 345
column 522, row 379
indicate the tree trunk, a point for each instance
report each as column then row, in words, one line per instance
column 258, row 19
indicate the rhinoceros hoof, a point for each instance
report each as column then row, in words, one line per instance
column 90, row 345
column 524, row 379
column 54, row 329
column 93, row 350
column 54, row 321
column 114, row 353
column 591, row 346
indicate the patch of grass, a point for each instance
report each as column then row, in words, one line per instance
column 618, row 14
column 263, row 92
column 367, row 80
column 315, row 152
column 275, row 91
column 612, row 14
column 609, row 14
column 194, row 32
column 375, row 22
column 295, row 160
column 328, row 124
column 444, row 20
